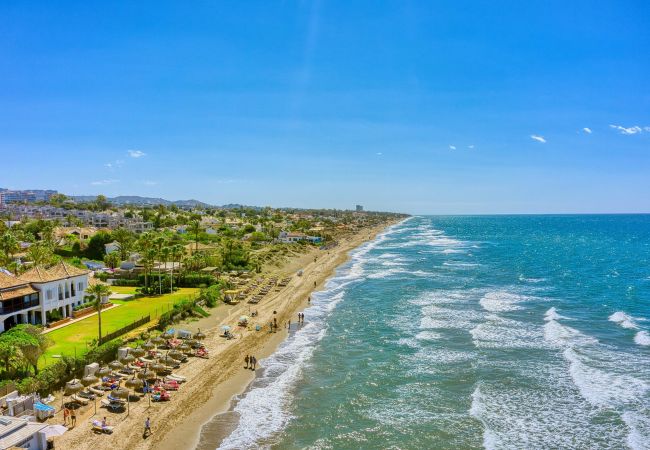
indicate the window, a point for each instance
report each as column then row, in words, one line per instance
column 60, row 292
column 49, row 294
column 81, row 286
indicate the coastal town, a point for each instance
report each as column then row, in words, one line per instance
column 111, row 310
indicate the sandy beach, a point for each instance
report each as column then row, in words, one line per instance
column 212, row 383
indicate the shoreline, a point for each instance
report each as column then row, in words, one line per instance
column 212, row 384
column 191, row 430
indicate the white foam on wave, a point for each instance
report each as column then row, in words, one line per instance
column 459, row 264
column 499, row 301
column 642, row 338
column 638, row 423
column 552, row 314
column 497, row 332
column 531, row 280
column 623, row 320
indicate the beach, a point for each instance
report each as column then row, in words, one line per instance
column 212, row 383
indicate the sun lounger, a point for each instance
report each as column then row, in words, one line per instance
column 113, row 406
column 96, row 391
column 75, row 398
column 179, row 378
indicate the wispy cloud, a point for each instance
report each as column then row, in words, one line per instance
column 630, row 130
column 379, row 153
column 136, row 153
column 452, row 147
column 538, row 138
column 104, row 182
column 587, row 130
column 470, row 146
column 149, row 183
column 115, row 164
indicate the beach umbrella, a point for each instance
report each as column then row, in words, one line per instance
column 167, row 360
column 138, row 352
column 184, row 348
column 116, row 365
column 175, row 354
column 148, row 345
column 147, row 374
column 89, row 380
column 200, row 336
column 104, row 371
column 243, row 318
column 225, row 327
column 158, row 368
column 120, row 392
column 127, row 359
column 158, row 340
column 134, row 383
column 73, row 386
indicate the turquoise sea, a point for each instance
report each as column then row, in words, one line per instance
column 527, row 332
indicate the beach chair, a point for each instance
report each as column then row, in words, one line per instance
column 178, row 378
column 98, row 428
column 82, row 401
column 112, row 405
column 97, row 392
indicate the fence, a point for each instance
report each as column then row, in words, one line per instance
column 125, row 329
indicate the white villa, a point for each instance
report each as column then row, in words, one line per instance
column 31, row 297
column 289, row 238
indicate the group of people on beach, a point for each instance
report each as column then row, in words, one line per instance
column 301, row 317
column 251, row 362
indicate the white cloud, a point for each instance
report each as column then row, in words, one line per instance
column 470, row 146
column 629, row 130
column 149, row 183
column 587, row 130
column 452, row 147
column 104, row 182
column 379, row 153
column 538, row 138
column 136, row 153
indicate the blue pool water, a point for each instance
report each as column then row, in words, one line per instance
column 469, row 332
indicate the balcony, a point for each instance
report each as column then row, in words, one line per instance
column 10, row 307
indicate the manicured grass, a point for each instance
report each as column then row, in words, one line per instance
column 74, row 338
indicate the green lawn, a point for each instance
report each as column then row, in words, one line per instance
column 74, row 338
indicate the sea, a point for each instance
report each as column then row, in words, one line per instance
column 454, row 332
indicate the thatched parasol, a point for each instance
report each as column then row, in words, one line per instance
column 103, row 371
column 158, row 340
column 120, row 392
column 185, row 348
column 138, row 352
column 116, row 365
column 158, row 368
column 175, row 354
column 73, row 386
column 148, row 345
column 89, row 380
column 200, row 336
column 127, row 359
column 134, row 383
column 147, row 374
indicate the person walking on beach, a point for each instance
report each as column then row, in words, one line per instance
column 246, row 361
column 147, row 428
column 253, row 361
column 275, row 323
column 309, row 299
column 288, row 325
column 73, row 417
column 66, row 413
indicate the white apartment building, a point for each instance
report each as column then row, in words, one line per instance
column 32, row 297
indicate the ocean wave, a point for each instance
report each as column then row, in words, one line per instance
column 552, row 314
column 500, row 301
column 642, row 338
column 531, row 280
column 623, row 320
column 498, row 333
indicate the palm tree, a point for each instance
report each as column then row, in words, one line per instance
column 159, row 243
column 177, row 251
column 96, row 293
column 196, row 229
column 165, row 253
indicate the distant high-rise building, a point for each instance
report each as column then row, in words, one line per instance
column 30, row 196
column 359, row 208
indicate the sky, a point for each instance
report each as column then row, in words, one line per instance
column 432, row 107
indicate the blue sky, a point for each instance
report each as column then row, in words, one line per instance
column 420, row 107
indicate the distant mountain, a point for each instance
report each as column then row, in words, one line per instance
column 142, row 201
